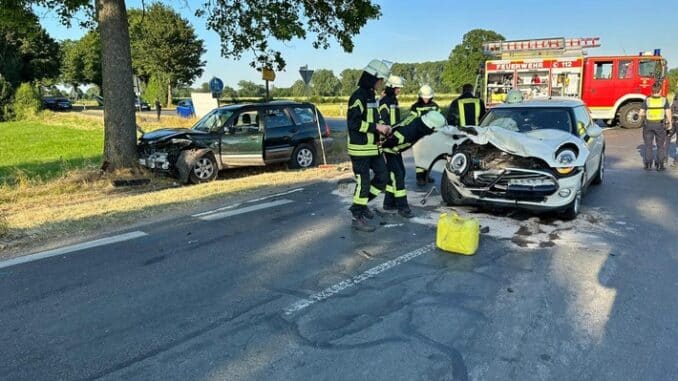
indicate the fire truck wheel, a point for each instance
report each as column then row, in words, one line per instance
column 629, row 116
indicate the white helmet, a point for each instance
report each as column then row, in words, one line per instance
column 426, row 92
column 434, row 120
column 395, row 82
column 378, row 69
column 514, row 96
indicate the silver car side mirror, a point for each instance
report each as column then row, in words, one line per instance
column 594, row 131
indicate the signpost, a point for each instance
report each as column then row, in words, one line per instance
column 217, row 87
column 267, row 75
column 306, row 76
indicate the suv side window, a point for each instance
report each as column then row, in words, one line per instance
column 247, row 118
column 276, row 118
column 304, row 114
column 213, row 121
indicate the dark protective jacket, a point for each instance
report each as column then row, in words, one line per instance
column 465, row 110
column 420, row 108
column 361, row 120
column 405, row 135
column 389, row 113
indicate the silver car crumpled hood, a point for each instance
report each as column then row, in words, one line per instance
column 542, row 144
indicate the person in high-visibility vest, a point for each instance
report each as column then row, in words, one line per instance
column 423, row 105
column 466, row 110
column 657, row 113
column 395, row 197
column 363, row 143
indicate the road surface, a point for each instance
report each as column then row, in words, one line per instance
column 281, row 288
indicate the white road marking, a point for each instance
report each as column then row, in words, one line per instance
column 354, row 281
column 230, row 213
column 228, row 207
column 72, row 248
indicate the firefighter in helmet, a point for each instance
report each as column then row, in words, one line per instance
column 423, row 105
column 656, row 112
column 363, row 137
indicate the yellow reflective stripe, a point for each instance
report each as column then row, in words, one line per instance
column 392, row 113
column 419, row 170
column 356, row 196
column 370, row 140
column 374, row 190
column 371, row 110
column 401, row 137
column 462, row 113
column 393, row 183
column 364, row 127
column 362, row 150
column 400, row 193
column 358, row 104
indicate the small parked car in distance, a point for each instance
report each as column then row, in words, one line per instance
column 537, row 155
column 185, row 108
column 57, row 103
column 237, row 136
column 140, row 104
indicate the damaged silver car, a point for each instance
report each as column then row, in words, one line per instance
column 537, row 155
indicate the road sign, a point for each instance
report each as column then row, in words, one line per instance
column 306, row 74
column 216, row 85
column 267, row 75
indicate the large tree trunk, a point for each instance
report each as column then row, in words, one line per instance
column 118, row 91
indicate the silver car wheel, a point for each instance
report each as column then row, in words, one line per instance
column 203, row 169
column 304, row 158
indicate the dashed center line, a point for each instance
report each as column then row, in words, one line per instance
column 230, row 213
column 354, row 281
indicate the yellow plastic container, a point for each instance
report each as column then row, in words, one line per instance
column 458, row 235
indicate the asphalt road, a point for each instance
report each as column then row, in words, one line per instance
column 290, row 292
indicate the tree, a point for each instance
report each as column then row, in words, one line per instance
column 244, row 26
column 466, row 58
column 298, row 88
column 27, row 52
column 165, row 45
column 673, row 79
column 26, row 102
column 349, row 80
column 250, row 89
column 156, row 88
column 418, row 74
column 325, row 83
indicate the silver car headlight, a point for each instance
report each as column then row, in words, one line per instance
column 565, row 157
column 458, row 163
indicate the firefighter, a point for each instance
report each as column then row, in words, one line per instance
column 395, row 197
column 657, row 114
column 363, row 138
column 423, row 105
column 672, row 132
column 465, row 110
column 410, row 130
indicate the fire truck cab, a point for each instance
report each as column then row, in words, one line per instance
column 613, row 87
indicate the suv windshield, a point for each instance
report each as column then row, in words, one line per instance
column 525, row 119
column 213, row 121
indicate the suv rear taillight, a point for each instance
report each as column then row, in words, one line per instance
column 327, row 131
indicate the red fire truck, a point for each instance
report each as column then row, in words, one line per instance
column 613, row 87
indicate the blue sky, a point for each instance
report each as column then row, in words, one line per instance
column 427, row 30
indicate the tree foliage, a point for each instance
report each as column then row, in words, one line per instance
column 156, row 88
column 466, row 58
column 325, row 83
column 27, row 52
column 250, row 89
column 349, row 80
column 673, row 79
column 81, row 60
column 418, row 74
column 27, row 102
column 6, row 93
column 165, row 44
column 251, row 25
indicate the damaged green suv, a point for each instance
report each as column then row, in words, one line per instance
column 237, row 136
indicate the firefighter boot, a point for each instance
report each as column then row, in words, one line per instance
column 360, row 223
column 406, row 213
column 660, row 167
column 368, row 214
column 648, row 165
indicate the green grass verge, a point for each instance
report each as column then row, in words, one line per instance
column 39, row 150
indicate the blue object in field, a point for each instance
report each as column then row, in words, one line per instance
column 185, row 108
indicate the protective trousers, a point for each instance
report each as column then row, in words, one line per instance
column 396, row 194
column 366, row 190
column 654, row 132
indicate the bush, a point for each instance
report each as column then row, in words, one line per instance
column 5, row 100
column 27, row 102
column 156, row 89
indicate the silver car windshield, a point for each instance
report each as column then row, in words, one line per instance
column 525, row 119
column 213, row 121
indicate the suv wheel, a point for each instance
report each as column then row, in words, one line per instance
column 303, row 156
column 205, row 169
